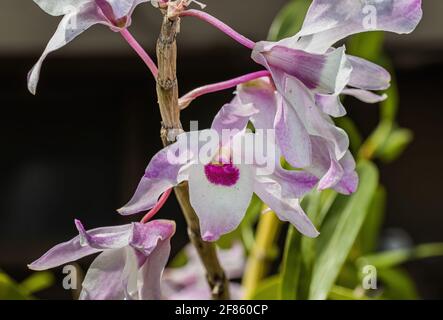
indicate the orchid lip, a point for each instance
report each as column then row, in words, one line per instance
column 225, row 175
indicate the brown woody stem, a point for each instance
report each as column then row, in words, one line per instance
column 167, row 92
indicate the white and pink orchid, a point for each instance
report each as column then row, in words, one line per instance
column 221, row 183
column 130, row 264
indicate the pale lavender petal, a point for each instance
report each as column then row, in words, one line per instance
column 233, row 260
column 271, row 192
column 106, row 237
column 317, row 123
column 330, row 21
column 365, row 96
column 133, row 272
column 145, row 237
column 292, row 136
column 219, row 206
column 333, row 173
column 78, row 247
column 166, row 170
column 333, row 176
column 233, row 116
column 294, row 183
column 107, row 277
column 60, row 7
column 330, row 104
column 367, row 75
column 152, row 270
column 72, row 25
column 350, row 180
column 261, row 93
column 326, row 73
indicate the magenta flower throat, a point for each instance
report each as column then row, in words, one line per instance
column 225, row 175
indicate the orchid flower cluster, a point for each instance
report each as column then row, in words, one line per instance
column 290, row 104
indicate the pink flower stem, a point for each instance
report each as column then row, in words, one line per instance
column 140, row 51
column 210, row 88
column 160, row 203
column 223, row 27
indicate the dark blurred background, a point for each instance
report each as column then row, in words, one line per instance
column 78, row 148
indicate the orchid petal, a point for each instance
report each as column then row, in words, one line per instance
column 349, row 181
column 152, row 270
column 292, row 137
column 77, row 248
column 107, row 275
column 317, row 123
column 367, row 75
column 72, row 25
column 294, row 183
column 261, row 93
column 233, row 116
column 220, row 208
column 60, row 7
column 326, row 73
column 286, row 208
column 145, row 237
column 365, row 96
column 330, row 21
column 333, row 173
column 233, row 260
column 330, row 104
column 166, row 169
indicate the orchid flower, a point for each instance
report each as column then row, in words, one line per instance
column 328, row 72
column 130, row 264
column 189, row 282
column 221, row 187
column 293, row 138
column 80, row 15
column 310, row 76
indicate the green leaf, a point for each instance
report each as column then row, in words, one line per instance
column 368, row 237
column 342, row 293
column 337, row 238
column 327, row 199
column 377, row 139
column 395, row 144
column 37, row 282
column 291, row 266
column 10, row 290
column 289, row 20
column 393, row 258
column 367, row 45
column 397, row 285
column 268, row 289
column 299, row 254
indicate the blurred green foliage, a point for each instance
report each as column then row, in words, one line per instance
column 11, row 290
